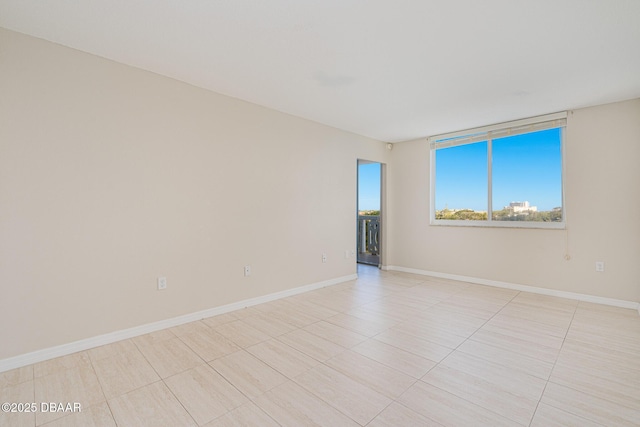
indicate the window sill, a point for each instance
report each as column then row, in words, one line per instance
column 500, row 224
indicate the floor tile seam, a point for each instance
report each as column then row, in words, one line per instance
column 64, row 368
column 318, row 307
column 108, row 401
column 473, row 403
column 478, row 329
column 209, row 361
column 615, row 338
column 501, row 390
column 529, row 344
column 227, row 380
column 8, row 384
column 414, row 379
column 590, row 393
column 483, row 293
column 381, row 318
column 245, row 395
column 534, row 298
column 568, row 409
column 596, row 361
column 487, row 321
column 285, row 344
column 327, row 402
column 83, row 409
column 12, row 387
column 563, row 342
column 496, row 385
column 218, row 324
column 614, row 335
column 102, row 386
column 398, row 402
column 200, row 321
column 442, row 327
column 34, row 390
column 325, row 306
column 540, row 399
column 525, row 319
column 520, row 372
column 538, row 315
column 296, row 349
column 135, row 389
column 233, row 329
column 33, row 372
column 179, row 401
column 591, row 314
column 375, row 312
column 277, row 334
column 245, row 346
column 550, row 342
column 192, row 351
column 504, row 365
column 374, row 321
column 161, row 380
column 95, row 374
column 378, row 414
column 555, row 361
column 412, row 313
column 410, row 351
column 459, row 331
column 455, row 294
column 391, row 367
column 254, row 403
column 596, row 342
column 421, row 303
column 332, row 341
column 564, row 409
column 175, row 373
column 352, row 330
column 613, row 312
column 453, row 311
column 535, row 337
column 120, row 354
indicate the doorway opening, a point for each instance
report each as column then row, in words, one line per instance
column 369, row 212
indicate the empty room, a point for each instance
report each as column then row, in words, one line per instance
column 336, row 213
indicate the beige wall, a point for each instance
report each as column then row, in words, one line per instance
column 602, row 196
column 111, row 176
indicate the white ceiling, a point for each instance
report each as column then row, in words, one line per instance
column 391, row 70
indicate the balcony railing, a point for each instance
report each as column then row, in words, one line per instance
column 369, row 239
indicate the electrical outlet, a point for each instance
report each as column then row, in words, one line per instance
column 346, row 254
column 162, row 283
column 247, row 270
column 600, row 266
column 324, row 257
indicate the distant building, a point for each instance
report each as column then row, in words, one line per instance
column 520, row 207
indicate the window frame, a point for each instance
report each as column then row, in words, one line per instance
column 489, row 133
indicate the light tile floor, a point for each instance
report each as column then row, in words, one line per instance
column 390, row 349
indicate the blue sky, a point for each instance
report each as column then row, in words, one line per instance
column 525, row 168
column 369, row 186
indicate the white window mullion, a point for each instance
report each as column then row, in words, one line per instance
column 489, row 169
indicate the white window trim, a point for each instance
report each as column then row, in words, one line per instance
column 470, row 136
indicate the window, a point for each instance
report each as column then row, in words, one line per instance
column 507, row 175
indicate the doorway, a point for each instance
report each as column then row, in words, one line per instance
column 369, row 213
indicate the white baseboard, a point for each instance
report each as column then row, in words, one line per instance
column 524, row 288
column 97, row 341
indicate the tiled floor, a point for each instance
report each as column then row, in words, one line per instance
column 390, row 349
